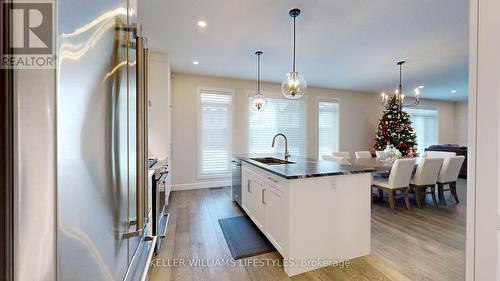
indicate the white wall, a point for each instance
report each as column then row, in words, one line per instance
column 460, row 125
column 359, row 115
column 483, row 186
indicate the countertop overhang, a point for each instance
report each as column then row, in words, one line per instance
column 303, row 167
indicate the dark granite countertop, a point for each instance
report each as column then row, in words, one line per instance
column 303, row 167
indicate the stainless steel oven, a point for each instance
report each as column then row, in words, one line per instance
column 160, row 195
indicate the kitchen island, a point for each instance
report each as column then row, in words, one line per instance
column 316, row 213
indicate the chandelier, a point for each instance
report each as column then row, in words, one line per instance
column 399, row 94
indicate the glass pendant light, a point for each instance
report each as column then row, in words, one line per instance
column 258, row 102
column 294, row 86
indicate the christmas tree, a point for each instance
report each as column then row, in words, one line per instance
column 395, row 129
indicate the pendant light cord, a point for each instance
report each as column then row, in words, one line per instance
column 293, row 67
column 400, row 82
column 400, row 90
column 258, row 75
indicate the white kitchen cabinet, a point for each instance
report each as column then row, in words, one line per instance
column 324, row 218
column 253, row 188
column 276, row 212
column 257, row 189
column 264, row 200
column 160, row 113
column 159, row 125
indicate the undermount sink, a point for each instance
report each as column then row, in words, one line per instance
column 272, row 161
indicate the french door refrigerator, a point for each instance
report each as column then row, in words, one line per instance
column 103, row 230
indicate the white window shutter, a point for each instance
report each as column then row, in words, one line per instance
column 279, row 116
column 424, row 123
column 328, row 127
column 215, row 133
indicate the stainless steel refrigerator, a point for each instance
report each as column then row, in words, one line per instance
column 103, row 200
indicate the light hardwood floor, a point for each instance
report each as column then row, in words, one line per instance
column 420, row 244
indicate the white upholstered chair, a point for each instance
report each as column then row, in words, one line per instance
column 438, row 154
column 343, row 154
column 399, row 180
column 449, row 176
column 426, row 177
column 363, row 154
column 340, row 160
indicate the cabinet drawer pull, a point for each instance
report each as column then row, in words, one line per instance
column 273, row 180
column 263, row 196
column 248, row 186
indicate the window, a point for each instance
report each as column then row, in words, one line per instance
column 215, row 133
column 328, row 127
column 424, row 123
column 279, row 116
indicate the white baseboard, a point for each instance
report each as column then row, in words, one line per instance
column 200, row 185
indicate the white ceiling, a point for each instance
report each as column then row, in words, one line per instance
column 344, row 44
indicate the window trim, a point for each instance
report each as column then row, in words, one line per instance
column 334, row 100
column 276, row 95
column 222, row 91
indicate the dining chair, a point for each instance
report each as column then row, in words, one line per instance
column 426, row 177
column 363, row 154
column 399, row 180
column 438, row 154
column 338, row 159
column 343, row 154
column 449, row 176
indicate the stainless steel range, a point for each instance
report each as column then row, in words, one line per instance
column 160, row 195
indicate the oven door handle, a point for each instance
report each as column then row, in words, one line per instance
column 164, row 233
column 145, row 270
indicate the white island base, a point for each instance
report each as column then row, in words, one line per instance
column 312, row 222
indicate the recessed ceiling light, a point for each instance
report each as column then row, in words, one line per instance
column 202, row 23
column 453, row 91
column 195, row 62
column 421, row 87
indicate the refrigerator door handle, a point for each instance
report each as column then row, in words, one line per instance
column 145, row 104
column 141, row 159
